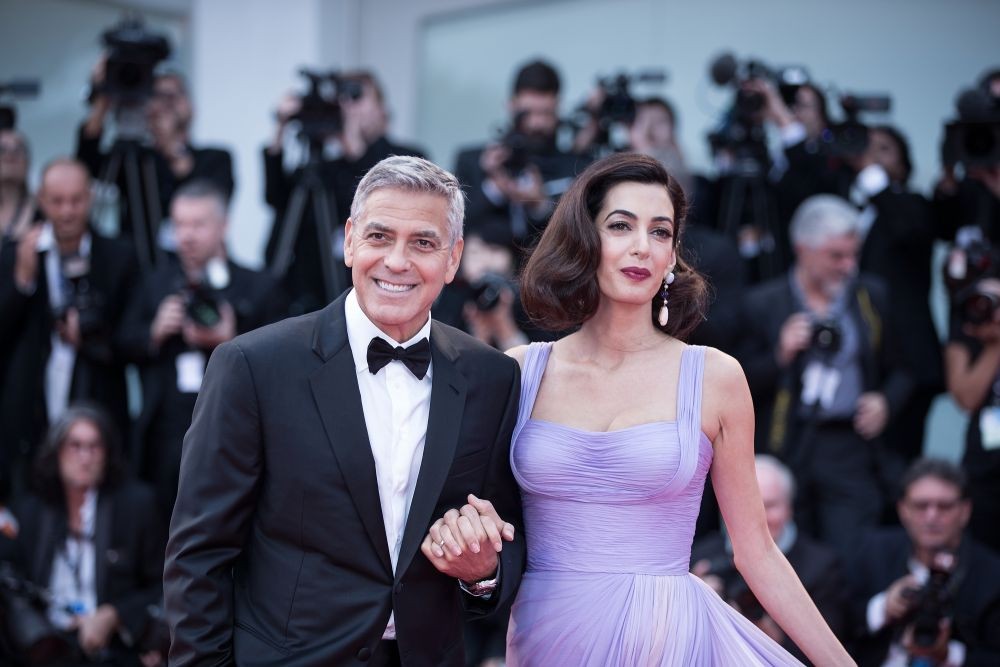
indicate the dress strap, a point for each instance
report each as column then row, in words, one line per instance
column 689, row 389
column 535, row 359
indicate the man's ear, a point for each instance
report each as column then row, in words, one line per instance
column 349, row 242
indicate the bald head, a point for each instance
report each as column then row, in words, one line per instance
column 65, row 198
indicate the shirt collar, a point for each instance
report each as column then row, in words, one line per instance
column 47, row 241
column 361, row 330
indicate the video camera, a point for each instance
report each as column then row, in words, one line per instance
column 15, row 88
column 742, row 130
column 973, row 139
column 618, row 105
column 320, row 114
column 849, row 137
column 133, row 52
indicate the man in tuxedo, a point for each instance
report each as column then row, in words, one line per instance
column 323, row 447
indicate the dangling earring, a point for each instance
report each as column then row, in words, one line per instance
column 664, row 313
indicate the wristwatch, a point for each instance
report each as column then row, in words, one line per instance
column 482, row 588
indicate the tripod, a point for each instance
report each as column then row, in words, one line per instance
column 141, row 194
column 746, row 201
column 310, row 190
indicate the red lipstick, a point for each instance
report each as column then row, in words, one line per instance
column 636, row 273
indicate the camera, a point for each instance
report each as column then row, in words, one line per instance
column 932, row 602
column 826, row 336
column 133, row 53
column 976, row 306
column 15, row 88
column 973, row 139
column 619, row 105
column 741, row 131
column 31, row 635
column 201, row 296
column 320, row 115
column 80, row 296
column 849, row 137
column 486, row 291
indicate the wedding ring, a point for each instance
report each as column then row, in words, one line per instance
column 441, row 544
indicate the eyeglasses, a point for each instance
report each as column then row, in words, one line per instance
column 921, row 506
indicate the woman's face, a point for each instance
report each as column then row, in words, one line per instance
column 82, row 456
column 884, row 150
column 636, row 228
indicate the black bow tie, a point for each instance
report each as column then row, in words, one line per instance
column 417, row 357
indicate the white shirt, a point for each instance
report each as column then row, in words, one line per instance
column 396, row 407
column 62, row 357
column 73, row 580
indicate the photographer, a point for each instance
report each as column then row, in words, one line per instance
column 519, row 177
column 162, row 140
column 17, row 206
column 816, row 565
column 926, row 593
column 62, row 294
column 178, row 315
column 354, row 126
column 818, row 350
column 972, row 363
column 90, row 538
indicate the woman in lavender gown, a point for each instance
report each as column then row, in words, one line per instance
column 620, row 422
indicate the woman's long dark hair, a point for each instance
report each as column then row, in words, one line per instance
column 47, row 482
column 559, row 284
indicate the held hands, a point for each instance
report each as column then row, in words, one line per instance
column 464, row 543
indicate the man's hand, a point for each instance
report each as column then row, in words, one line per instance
column 26, row 260
column 898, row 598
column 68, row 328
column 94, row 630
column 208, row 338
column 456, row 544
column 169, row 320
column 871, row 414
column 795, row 336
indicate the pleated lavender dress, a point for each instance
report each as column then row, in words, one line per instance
column 609, row 519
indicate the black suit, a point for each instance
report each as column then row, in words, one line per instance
column 27, row 323
column 843, row 476
column 128, row 548
column 975, row 620
column 166, row 411
column 278, row 552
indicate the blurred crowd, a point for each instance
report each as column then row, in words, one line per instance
column 116, row 285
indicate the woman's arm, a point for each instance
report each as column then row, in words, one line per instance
column 728, row 420
column 969, row 381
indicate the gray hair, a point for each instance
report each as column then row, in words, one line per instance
column 203, row 189
column 822, row 217
column 785, row 477
column 413, row 174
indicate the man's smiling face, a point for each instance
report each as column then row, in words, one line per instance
column 401, row 256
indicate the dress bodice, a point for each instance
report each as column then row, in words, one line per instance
column 616, row 501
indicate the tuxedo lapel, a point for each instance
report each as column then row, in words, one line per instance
column 338, row 399
column 448, row 391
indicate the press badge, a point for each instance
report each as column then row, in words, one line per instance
column 989, row 427
column 819, row 384
column 190, row 372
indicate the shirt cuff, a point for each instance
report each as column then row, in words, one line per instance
column 872, row 180
column 956, row 654
column 875, row 614
column 792, row 134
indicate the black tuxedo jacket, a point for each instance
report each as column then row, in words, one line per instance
column 277, row 553
column 975, row 619
column 26, row 325
column 128, row 549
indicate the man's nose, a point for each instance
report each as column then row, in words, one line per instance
column 396, row 259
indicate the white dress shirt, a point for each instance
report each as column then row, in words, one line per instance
column 396, row 407
column 73, row 583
